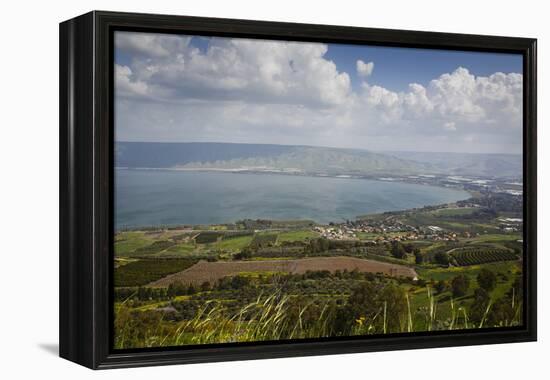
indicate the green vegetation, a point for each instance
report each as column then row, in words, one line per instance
column 443, row 212
column 153, row 248
column 179, row 249
column 473, row 256
column 207, row 237
column 435, row 268
column 234, row 244
column 255, row 307
column 127, row 242
column 435, row 273
column 460, row 285
column 487, row 280
column 264, row 240
column 299, row 235
column 142, row 272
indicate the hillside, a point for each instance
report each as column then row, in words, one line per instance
column 307, row 159
column 472, row 164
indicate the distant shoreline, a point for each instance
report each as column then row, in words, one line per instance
column 391, row 151
column 370, row 177
column 381, row 178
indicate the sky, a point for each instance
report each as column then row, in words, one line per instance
column 176, row 88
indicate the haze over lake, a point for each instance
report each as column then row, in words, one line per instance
column 169, row 197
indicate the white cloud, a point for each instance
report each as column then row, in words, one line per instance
column 416, row 102
column 449, row 126
column 264, row 71
column 459, row 99
column 240, row 90
column 364, row 69
column 124, row 83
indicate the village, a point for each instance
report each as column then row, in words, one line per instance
column 393, row 226
column 384, row 231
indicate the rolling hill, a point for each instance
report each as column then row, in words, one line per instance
column 308, row 159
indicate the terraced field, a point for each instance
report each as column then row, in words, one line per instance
column 474, row 256
column 213, row 271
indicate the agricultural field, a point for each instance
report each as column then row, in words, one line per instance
column 439, row 268
column 474, row 256
column 234, row 243
column 299, row 235
column 127, row 243
column 446, row 212
column 208, row 237
column 264, row 240
column 142, row 272
column 214, row 271
column 178, row 249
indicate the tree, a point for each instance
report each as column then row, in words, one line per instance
column 142, row 293
column 246, row 253
column 177, row 289
column 442, row 258
column 393, row 297
column 318, row 245
column 170, row 292
column 501, row 313
column 479, row 305
column 440, row 286
column 324, row 244
column 409, row 248
column 487, row 279
column 418, row 256
column 460, row 285
column 239, row 282
column 397, row 250
column 205, row 286
column 363, row 301
column 368, row 301
column 191, row 289
column 517, row 288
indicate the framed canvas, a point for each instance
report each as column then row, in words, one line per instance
column 235, row 189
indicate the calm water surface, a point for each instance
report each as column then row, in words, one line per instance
column 164, row 197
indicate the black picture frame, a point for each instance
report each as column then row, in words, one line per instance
column 86, row 193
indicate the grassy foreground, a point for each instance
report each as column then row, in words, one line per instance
column 377, row 305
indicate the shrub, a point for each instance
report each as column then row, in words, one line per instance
column 460, row 285
column 486, row 279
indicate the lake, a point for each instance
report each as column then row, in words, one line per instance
column 169, row 197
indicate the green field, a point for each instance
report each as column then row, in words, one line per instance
column 264, row 239
column 474, row 255
column 299, row 235
column 495, row 238
column 435, row 274
column 208, row 237
column 127, row 242
column 142, row 272
column 443, row 212
column 509, row 270
column 179, row 249
column 233, row 244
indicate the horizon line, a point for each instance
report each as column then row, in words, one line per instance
column 317, row 146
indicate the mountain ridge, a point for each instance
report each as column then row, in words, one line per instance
column 311, row 159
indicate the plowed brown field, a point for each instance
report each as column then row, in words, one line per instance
column 213, row 271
